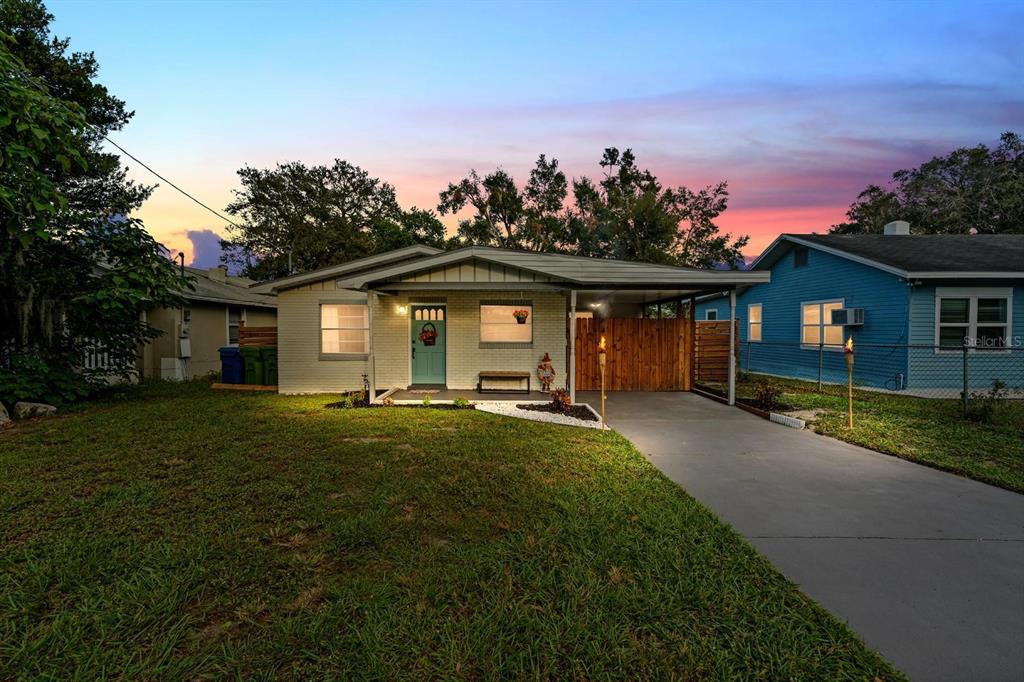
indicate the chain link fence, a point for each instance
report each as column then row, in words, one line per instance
column 960, row 373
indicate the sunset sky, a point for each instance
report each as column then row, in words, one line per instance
column 798, row 106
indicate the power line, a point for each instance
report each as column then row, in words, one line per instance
column 43, row 89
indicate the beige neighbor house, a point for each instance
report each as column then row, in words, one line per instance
column 482, row 318
column 194, row 333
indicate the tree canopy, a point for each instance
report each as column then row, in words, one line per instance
column 627, row 215
column 76, row 271
column 971, row 189
column 296, row 217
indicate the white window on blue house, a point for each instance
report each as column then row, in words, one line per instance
column 711, row 314
column 977, row 317
column 754, row 322
column 816, row 324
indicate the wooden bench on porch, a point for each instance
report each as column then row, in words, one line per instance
column 499, row 374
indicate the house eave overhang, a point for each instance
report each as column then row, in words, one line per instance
column 230, row 301
column 334, row 271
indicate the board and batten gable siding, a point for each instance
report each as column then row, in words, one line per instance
column 883, row 296
column 473, row 271
column 929, row 369
column 300, row 368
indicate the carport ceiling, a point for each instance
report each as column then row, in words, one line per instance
column 591, row 299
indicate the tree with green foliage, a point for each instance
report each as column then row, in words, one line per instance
column 971, row 189
column 295, row 218
column 627, row 215
column 533, row 219
column 77, row 274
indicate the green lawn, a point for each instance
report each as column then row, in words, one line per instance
column 182, row 533
column 931, row 432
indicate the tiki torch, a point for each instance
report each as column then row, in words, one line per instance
column 849, row 382
column 601, row 360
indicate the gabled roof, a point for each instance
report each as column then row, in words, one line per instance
column 576, row 270
column 917, row 256
column 352, row 267
column 228, row 292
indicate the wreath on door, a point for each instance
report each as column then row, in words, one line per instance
column 428, row 335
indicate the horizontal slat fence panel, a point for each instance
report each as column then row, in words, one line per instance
column 711, row 352
column 642, row 354
column 256, row 336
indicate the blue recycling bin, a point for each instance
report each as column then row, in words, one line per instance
column 231, row 366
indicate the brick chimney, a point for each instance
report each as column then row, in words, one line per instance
column 218, row 274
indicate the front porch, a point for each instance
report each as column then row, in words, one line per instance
column 447, row 395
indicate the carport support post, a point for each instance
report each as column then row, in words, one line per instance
column 570, row 371
column 732, row 346
column 371, row 369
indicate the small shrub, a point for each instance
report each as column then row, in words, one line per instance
column 561, row 400
column 767, row 395
column 346, row 402
column 986, row 406
column 461, row 402
column 55, row 381
column 426, row 401
column 388, row 402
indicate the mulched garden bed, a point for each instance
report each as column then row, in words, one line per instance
column 576, row 411
column 362, row 405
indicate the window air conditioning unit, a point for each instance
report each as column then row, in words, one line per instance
column 848, row 316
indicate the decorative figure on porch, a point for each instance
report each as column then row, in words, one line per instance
column 428, row 335
column 546, row 373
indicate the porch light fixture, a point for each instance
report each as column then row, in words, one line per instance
column 402, row 310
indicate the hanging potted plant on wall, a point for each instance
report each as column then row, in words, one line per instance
column 521, row 314
column 428, row 335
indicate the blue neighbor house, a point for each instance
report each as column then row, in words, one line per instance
column 925, row 312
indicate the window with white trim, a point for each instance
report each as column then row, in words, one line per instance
column 711, row 314
column 236, row 315
column 754, row 322
column 344, row 329
column 979, row 318
column 816, row 324
column 506, row 323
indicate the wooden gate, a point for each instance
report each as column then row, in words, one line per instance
column 642, row 354
column 711, row 351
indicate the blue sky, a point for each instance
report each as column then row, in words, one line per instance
column 798, row 105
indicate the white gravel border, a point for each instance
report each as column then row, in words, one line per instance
column 509, row 409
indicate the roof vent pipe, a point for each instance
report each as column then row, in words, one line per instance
column 897, row 227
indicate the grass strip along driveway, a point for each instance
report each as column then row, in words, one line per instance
column 923, row 430
column 184, row 533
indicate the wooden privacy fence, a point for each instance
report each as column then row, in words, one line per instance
column 642, row 354
column 256, row 336
column 711, row 352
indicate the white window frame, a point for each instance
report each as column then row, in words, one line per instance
column 320, row 331
column 972, row 294
column 513, row 343
column 227, row 322
column 821, row 325
column 759, row 323
column 708, row 312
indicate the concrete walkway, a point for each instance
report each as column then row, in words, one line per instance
column 926, row 566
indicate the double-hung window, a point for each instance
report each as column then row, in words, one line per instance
column 754, row 322
column 977, row 317
column 236, row 316
column 816, row 324
column 344, row 329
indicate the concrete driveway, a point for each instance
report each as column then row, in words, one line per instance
column 926, row 566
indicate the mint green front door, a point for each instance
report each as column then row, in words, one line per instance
column 428, row 342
